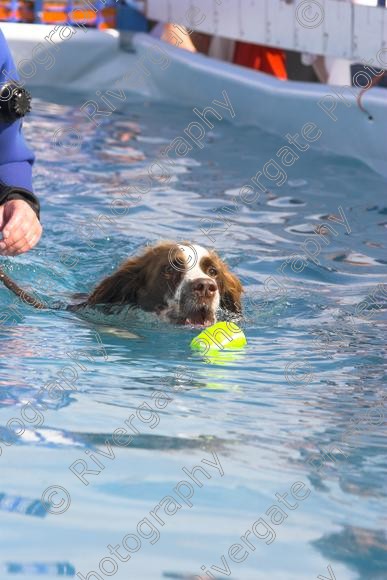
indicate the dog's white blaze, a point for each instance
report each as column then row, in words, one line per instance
column 193, row 256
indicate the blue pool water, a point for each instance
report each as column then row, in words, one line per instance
column 267, row 413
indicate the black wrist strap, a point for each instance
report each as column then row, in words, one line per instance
column 8, row 193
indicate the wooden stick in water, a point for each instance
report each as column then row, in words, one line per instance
column 23, row 295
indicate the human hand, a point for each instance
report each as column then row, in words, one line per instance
column 20, row 227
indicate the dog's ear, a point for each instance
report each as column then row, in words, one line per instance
column 230, row 291
column 121, row 287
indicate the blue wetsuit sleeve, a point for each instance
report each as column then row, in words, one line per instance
column 16, row 158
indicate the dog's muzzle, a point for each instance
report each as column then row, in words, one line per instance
column 197, row 302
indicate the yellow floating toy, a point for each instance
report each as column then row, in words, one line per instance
column 219, row 336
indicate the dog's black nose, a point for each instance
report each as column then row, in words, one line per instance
column 204, row 287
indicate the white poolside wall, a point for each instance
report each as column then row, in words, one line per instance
column 93, row 61
column 347, row 29
column 344, row 31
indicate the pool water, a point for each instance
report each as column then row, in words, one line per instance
column 257, row 421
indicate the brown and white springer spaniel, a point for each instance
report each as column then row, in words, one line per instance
column 182, row 283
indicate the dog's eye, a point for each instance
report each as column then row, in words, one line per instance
column 169, row 269
column 212, row 271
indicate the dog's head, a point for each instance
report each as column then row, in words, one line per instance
column 184, row 283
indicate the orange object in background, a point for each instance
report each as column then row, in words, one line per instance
column 23, row 13
column 57, row 12
column 269, row 60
